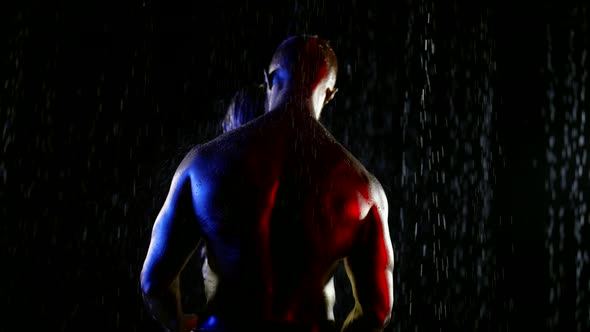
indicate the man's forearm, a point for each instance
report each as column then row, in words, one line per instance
column 165, row 307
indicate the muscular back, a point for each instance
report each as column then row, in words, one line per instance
column 278, row 208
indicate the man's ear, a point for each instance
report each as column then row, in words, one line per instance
column 330, row 93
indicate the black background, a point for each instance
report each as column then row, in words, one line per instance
column 100, row 100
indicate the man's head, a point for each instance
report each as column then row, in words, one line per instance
column 305, row 65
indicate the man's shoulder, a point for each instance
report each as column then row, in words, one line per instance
column 377, row 192
column 368, row 181
column 210, row 154
column 358, row 176
column 194, row 160
column 354, row 165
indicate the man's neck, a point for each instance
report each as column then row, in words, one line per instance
column 296, row 102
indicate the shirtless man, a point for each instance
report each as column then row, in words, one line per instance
column 279, row 203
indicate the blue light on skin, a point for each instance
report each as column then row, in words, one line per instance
column 280, row 74
column 210, row 323
column 275, row 81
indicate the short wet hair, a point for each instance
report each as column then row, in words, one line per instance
column 308, row 58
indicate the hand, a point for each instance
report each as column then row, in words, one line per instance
column 189, row 322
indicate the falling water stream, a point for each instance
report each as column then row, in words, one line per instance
column 566, row 127
column 98, row 102
column 448, row 174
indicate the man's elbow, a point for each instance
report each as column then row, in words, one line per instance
column 377, row 318
column 386, row 319
column 147, row 288
column 382, row 317
column 373, row 322
column 149, row 285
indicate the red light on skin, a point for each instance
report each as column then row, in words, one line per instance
column 358, row 208
column 385, row 262
column 289, row 316
column 346, row 203
column 264, row 249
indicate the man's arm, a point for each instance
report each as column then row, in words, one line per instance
column 370, row 270
column 175, row 236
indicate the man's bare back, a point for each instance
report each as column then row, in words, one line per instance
column 288, row 202
column 279, row 203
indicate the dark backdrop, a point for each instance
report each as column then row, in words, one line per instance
column 473, row 116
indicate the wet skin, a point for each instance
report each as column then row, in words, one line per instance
column 278, row 203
